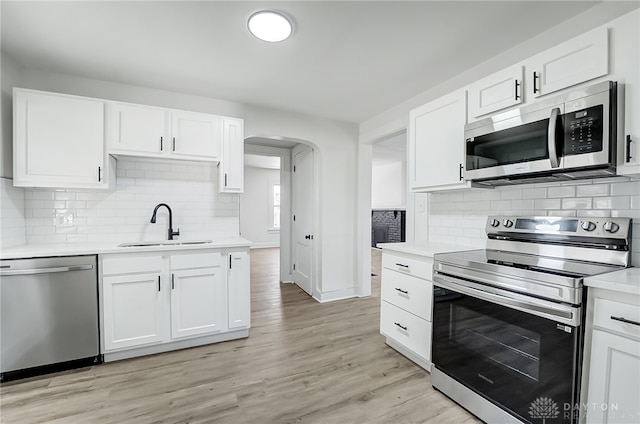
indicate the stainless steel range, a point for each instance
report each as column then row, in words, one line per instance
column 507, row 320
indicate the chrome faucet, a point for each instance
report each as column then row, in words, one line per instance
column 171, row 233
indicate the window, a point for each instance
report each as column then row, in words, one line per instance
column 276, row 205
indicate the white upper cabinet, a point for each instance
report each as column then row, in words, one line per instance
column 147, row 131
column 625, row 64
column 196, row 135
column 137, row 128
column 231, row 174
column 58, row 141
column 577, row 60
column 498, row 91
column 436, row 144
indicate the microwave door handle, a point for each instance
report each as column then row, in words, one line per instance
column 551, row 137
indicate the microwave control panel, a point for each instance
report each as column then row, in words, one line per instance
column 583, row 131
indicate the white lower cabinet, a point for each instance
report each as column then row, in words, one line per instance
column 612, row 359
column 198, row 295
column 172, row 300
column 238, row 289
column 406, row 305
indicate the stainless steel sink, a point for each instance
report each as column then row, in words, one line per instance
column 163, row 243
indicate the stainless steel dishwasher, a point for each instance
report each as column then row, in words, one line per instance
column 48, row 315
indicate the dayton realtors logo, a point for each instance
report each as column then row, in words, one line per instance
column 544, row 408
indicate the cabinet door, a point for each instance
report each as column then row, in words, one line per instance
column 238, row 283
column 436, row 143
column 137, row 129
column 614, row 379
column 231, row 179
column 626, row 64
column 58, row 141
column 198, row 302
column 578, row 60
column 498, row 91
column 196, row 135
column 132, row 310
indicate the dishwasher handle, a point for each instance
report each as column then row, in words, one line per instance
column 6, row 272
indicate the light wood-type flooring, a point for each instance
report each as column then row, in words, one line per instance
column 304, row 362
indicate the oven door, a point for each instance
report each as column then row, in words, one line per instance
column 515, row 359
column 520, row 143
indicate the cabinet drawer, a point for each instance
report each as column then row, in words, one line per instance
column 407, row 329
column 406, row 265
column 609, row 314
column 131, row 265
column 407, row 292
column 196, row 260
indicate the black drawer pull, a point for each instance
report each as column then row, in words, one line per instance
column 402, row 265
column 402, row 291
column 628, row 321
column 401, row 326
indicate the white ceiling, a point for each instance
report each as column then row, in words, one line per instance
column 346, row 60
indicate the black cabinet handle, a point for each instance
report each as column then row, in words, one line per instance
column 401, row 326
column 161, row 146
column 402, row 291
column 100, row 174
column 158, row 283
column 535, row 82
column 174, row 144
column 517, row 86
column 402, row 265
column 173, row 282
column 229, row 261
column 628, row 321
column 225, row 179
column 461, row 168
column 629, row 141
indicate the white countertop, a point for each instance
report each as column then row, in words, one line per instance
column 427, row 250
column 70, row 249
column 623, row 281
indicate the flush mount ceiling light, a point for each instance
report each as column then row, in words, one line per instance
column 270, row 26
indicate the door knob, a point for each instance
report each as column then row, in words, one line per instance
column 307, row 237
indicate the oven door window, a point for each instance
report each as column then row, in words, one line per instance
column 510, row 357
column 524, row 143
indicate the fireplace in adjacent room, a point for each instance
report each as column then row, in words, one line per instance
column 388, row 226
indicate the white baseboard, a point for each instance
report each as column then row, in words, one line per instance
column 335, row 295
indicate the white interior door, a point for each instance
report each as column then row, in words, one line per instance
column 303, row 236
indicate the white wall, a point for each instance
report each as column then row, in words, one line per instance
column 336, row 156
column 254, row 207
column 388, row 184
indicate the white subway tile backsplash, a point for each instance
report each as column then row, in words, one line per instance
column 577, row 203
column 562, row 191
column 547, row 203
column 122, row 215
column 617, row 202
column 630, row 188
column 592, row 190
column 462, row 211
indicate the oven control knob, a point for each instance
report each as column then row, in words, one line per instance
column 610, row 227
column 494, row 222
column 507, row 223
column 588, row 226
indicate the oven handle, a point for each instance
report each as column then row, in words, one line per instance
column 551, row 137
column 567, row 316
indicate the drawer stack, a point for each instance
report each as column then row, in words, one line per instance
column 406, row 305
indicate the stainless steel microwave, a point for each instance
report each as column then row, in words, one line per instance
column 563, row 138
